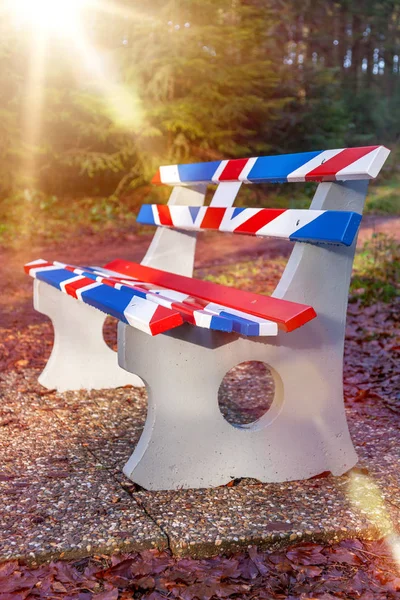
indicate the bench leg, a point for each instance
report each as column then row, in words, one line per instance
column 186, row 441
column 80, row 358
column 171, row 249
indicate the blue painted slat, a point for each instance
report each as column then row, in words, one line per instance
column 242, row 325
column 335, row 227
column 194, row 211
column 275, row 169
column 109, row 300
column 236, row 211
column 145, row 215
column 55, row 277
column 220, row 324
column 198, row 172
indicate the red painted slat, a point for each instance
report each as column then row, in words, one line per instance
column 259, row 220
column 186, row 312
column 157, row 178
column 288, row 315
column 28, row 268
column 164, row 319
column 327, row 171
column 74, row 286
column 233, row 169
column 164, row 215
column 213, row 217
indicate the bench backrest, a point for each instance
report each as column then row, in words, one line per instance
column 314, row 226
column 326, row 165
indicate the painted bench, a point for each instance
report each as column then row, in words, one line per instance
column 199, row 330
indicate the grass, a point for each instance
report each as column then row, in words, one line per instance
column 384, row 199
column 259, row 275
column 376, row 274
column 377, row 271
column 30, row 216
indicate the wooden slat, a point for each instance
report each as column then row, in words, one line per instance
column 288, row 315
column 322, row 226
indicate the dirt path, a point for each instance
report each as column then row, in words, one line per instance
column 213, row 248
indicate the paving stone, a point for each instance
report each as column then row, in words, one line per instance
column 56, row 498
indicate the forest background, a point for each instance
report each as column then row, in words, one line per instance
column 153, row 82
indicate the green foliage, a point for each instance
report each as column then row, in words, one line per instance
column 194, row 80
column 377, row 270
column 29, row 217
column 384, row 199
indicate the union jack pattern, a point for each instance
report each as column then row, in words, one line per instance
column 77, row 282
column 327, row 165
column 336, row 227
column 198, row 311
column 287, row 314
column 125, row 305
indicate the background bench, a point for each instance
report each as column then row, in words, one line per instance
column 298, row 332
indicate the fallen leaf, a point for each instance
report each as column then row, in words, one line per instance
column 109, row 595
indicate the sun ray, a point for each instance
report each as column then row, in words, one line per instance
column 33, row 106
column 367, row 498
column 118, row 10
column 122, row 104
column 47, row 22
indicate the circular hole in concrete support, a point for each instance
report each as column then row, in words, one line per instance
column 110, row 330
column 246, row 393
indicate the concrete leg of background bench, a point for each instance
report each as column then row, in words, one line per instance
column 80, row 358
column 187, row 442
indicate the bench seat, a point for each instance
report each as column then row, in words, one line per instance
column 136, row 298
column 288, row 315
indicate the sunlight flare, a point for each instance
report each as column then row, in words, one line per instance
column 367, row 499
column 56, row 17
column 43, row 24
column 122, row 102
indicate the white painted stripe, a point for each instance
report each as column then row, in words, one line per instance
column 266, row 327
column 366, row 167
column 228, row 224
column 159, row 300
column 155, row 214
column 173, row 295
column 33, row 272
column 170, row 174
column 289, row 222
column 139, row 313
column 132, row 282
column 246, row 170
column 202, row 318
column 226, row 193
column 71, row 280
column 181, row 216
column 222, row 165
column 200, row 217
column 39, row 261
column 90, row 286
column 300, row 173
column 77, row 270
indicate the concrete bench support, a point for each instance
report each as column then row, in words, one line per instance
column 80, row 358
column 187, row 443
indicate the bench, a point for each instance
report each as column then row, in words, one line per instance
column 181, row 335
